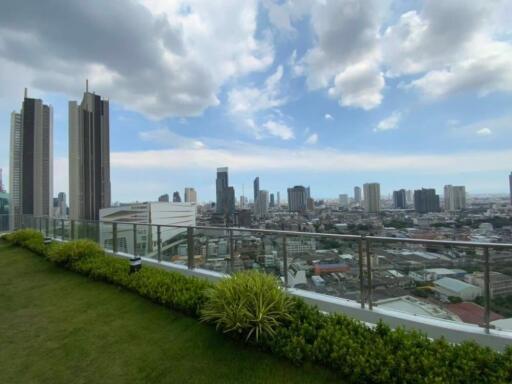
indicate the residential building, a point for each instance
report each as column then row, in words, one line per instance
column 146, row 236
column 176, row 198
column 426, row 200
column 256, row 188
column 449, row 287
column 31, row 160
column 310, row 204
column 2, row 188
column 500, row 284
column 261, row 206
column 60, row 206
column 343, row 200
column 164, row 198
column 371, row 197
column 278, row 199
column 4, row 211
column 89, row 156
column 409, row 196
column 357, row 195
column 400, row 199
column 225, row 203
column 454, row 198
column 297, row 199
column 190, row 195
column 272, row 201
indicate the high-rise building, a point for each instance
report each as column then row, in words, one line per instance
column 89, row 156
column 190, row 195
column 278, row 199
column 256, row 188
column 357, row 194
column 409, row 196
column 176, row 198
column 343, row 200
column 60, row 206
column 31, row 160
column 261, row 206
column 426, row 200
column 454, row 197
column 510, row 186
column 371, row 197
column 400, row 199
column 2, row 188
column 297, row 199
column 163, row 198
column 221, row 187
column 272, row 201
column 4, row 211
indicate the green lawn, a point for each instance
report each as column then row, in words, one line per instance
column 59, row 327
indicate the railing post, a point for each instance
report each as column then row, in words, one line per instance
column 46, row 225
column 285, row 263
column 369, row 274
column 62, row 229
column 231, row 251
column 190, row 247
column 40, row 225
column 72, row 234
column 487, row 290
column 361, row 270
column 114, row 237
column 54, row 230
column 134, row 239
column 159, row 242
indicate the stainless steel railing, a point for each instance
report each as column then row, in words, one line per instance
column 153, row 242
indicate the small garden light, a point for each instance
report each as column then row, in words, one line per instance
column 135, row 264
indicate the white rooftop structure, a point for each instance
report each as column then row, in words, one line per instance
column 414, row 306
column 453, row 287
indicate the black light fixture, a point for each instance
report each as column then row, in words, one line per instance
column 47, row 240
column 135, row 264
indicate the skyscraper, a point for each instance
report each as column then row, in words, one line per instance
column 510, row 186
column 31, row 160
column 256, row 188
column 190, row 195
column 357, row 194
column 371, row 197
column 400, row 199
column 426, row 200
column 272, row 201
column 278, row 199
column 454, row 197
column 176, row 198
column 2, row 189
column 163, row 198
column 225, row 202
column 261, row 206
column 89, row 156
column 297, row 199
column 60, row 208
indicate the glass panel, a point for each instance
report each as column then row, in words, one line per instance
column 174, row 246
column 500, row 289
column 125, row 236
column 211, row 250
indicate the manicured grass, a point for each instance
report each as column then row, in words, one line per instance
column 60, row 327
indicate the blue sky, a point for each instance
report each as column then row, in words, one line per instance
column 330, row 94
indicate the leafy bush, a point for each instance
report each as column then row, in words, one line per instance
column 249, row 304
column 73, row 251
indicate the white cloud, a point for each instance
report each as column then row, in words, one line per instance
column 327, row 116
column 166, row 58
column 389, row 123
column 278, row 129
column 484, row 132
column 253, row 99
column 312, row 139
column 251, row 158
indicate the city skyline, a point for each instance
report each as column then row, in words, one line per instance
column 285, row 106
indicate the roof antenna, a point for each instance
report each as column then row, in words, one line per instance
column 25, row 93
column 86, row 85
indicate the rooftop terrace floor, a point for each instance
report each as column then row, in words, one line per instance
column 59, row 327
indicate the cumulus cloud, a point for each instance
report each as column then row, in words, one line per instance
column 278, row 129
column 166, row 137
column 484, row 132
column 312, row 139
column 389, row 123
column 327, row 116
column 156, row 57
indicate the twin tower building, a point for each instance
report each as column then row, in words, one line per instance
column 31, row 159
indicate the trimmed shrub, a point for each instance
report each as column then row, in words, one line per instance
column 249, row 304
column 73, row 251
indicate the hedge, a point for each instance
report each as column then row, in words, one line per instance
column 358, row 353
